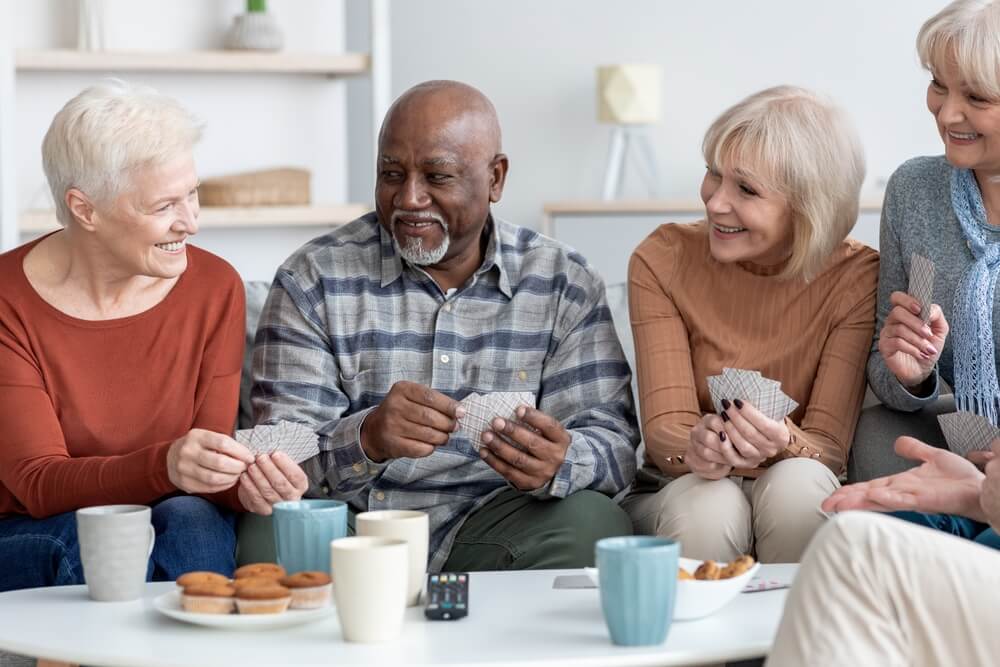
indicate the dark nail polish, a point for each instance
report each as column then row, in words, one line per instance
column 725, row 417
column 738, row 403
column 722, row 436
column 725, row 404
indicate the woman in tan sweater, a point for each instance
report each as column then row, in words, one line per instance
column 768, row 282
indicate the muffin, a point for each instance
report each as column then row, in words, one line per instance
column 269, row 570
column 201, row 577
column 208, row 598
column 269, row 598
column 254, row 581
column 310, row 590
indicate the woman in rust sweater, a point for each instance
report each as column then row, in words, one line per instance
column 768, row 283
column 120, row 353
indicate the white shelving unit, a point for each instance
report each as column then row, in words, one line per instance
column 13, row 222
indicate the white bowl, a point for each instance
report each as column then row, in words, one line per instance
column 697, row 598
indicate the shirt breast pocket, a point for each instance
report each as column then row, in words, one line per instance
column 368, row 388
column 488, row 379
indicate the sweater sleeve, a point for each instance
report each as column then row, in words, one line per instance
column 827, row 427
column 668, row 397
column 893, row 278
column 35, row 465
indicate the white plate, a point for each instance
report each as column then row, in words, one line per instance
column 169, row 604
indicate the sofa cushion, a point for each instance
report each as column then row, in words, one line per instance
column 256, row 294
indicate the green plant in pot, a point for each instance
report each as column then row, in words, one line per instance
column 255, row 30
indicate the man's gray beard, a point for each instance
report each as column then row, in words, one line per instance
column 415, row 253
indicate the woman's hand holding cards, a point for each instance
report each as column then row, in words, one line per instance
column 754, row 435
column 910, row 347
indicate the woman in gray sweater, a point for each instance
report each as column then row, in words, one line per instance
column 946, row 209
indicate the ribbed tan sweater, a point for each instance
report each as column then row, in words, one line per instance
column 692, row 316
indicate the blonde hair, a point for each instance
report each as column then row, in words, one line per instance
column 805, row 148
column 104, row 133
column 966, row 32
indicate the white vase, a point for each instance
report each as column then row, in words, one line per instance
column 256, row 31
column 90, row 25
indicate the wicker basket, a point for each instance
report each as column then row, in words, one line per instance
column 269, row 187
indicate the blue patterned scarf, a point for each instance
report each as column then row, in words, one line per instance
column 976, row 386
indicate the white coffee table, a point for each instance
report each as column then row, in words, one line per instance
column 516, row 618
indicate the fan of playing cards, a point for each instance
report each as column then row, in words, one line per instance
column 967, row 432
column 299, row 441
column 482, row 409
column 750, row 386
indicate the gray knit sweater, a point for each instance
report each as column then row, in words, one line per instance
column 917, row 217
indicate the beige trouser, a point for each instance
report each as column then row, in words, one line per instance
column 874, row 590
column 722, row 519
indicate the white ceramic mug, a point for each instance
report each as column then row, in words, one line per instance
column 369, row 586
column 412, row 526
column 115, row 544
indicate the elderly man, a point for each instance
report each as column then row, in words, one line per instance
column 875, row 590
column 374, row 332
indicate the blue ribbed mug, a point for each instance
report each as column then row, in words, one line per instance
column 638, row 583
column 303, row 530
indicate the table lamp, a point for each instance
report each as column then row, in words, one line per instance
column 628, row 96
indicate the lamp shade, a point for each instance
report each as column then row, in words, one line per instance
column 628, row 94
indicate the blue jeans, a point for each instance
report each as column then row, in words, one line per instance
column 954, row 525
column 191, row 534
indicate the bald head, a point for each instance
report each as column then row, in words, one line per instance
column 461, row 111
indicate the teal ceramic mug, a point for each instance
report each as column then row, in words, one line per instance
column 638, row 583
column 303, row 530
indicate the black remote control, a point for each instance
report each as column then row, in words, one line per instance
column 447, row 596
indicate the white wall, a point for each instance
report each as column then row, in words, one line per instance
column 252, row 121
column 536, row 61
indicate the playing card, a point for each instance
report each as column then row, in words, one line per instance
column 482, row 409
column 298, row 441
column 763, row 393
column 966, row 432
column 716, row 391
column 922, row 284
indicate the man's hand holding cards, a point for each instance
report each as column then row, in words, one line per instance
column 526, row 446
column 914, row 332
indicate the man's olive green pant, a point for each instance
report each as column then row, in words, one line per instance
column 513, row 531
column 516, row 531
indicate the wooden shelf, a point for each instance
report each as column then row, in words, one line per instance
column 225, row 217
column 638, row 207
column 651, row 206
column 69, row 60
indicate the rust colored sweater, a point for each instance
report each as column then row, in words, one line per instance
column 88, row 409
column 692, row 316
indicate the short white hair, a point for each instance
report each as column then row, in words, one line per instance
column 103, row 134
column 804, row 147
column 966, row 32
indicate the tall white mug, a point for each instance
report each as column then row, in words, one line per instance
column 115, row 544
column 412, row 526
column 369, row 586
